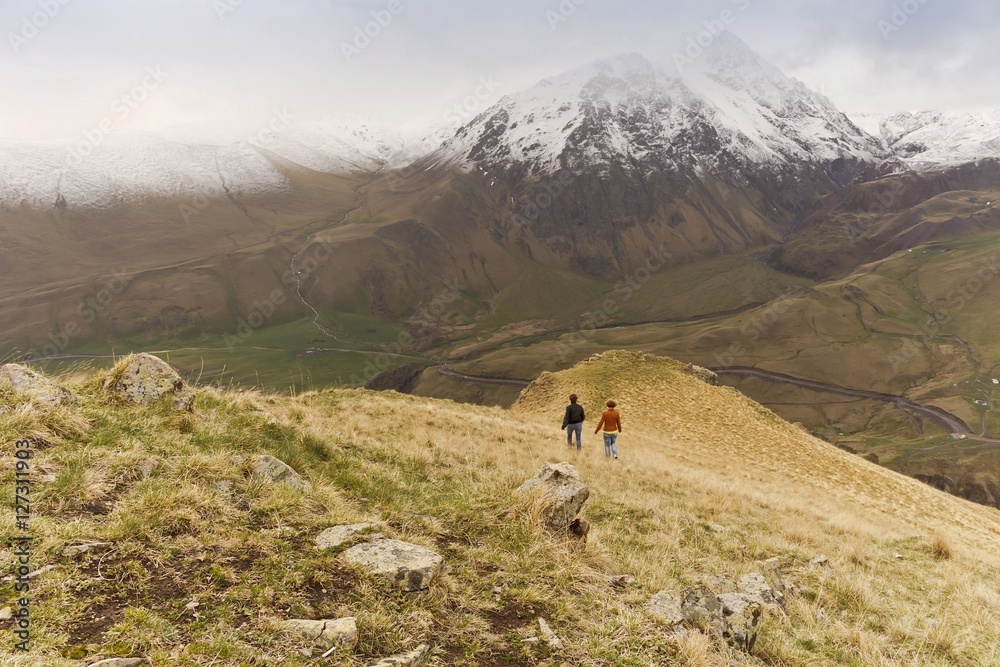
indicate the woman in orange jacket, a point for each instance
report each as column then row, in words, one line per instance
column 612, row 423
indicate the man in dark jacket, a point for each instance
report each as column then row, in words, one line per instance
column 573, row 421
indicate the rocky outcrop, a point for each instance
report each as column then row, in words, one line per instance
column 411, row 567
column 143, row 378
column 35, row 385
column 325, row 634
column 563, row 493
column 703, row 374
column 728, row 609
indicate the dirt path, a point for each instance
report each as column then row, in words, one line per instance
column 483, row 379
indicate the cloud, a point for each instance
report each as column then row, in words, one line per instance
column 232, row 62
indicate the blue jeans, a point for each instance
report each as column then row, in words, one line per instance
column 610, row 446
column 570, row 429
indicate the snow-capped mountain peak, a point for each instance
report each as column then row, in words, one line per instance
column 728, row 106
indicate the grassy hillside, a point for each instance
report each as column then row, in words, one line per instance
column 201, row 560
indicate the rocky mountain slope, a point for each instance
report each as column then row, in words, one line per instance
column 245, row 530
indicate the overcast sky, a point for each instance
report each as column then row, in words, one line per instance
column 214, row 65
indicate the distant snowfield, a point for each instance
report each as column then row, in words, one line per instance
column 122, row 167
column 625, row 108
column 929, row 139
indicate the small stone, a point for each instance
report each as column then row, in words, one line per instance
column 820, row 561
column 340, row 535
column 77, row 549
column 548, row 635
column 821, row 617
column 414, row 658
column 118, row 662
column 409, row 566
column 716, row 528
column 265, row 465
column 146, row 468
column 622, row 580
column 325, row 634
column 898, row 556
column 531, row 641
column 6, row 613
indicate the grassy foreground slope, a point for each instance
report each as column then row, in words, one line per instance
column 202, row 560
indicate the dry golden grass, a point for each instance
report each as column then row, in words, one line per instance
column 708, row 482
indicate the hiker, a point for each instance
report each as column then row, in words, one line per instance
column 573, row 421
column 612, row 423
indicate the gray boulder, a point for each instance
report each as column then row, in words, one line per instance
column 564, row 493
column 35, row 385
column 411, row 567
column 325, row 634
column 414, row 658
column 331, row 538
column 143, row 378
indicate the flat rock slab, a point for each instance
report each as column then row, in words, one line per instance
column 409, row 566
column 276, row 470
column 414, row 658
column 148, row 379
column 336, row 536
column 325, row 634
column 118, row 662
column 668, row 607
column 565, row 494
column 35, row 385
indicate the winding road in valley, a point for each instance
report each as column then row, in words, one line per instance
column 949, row 421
